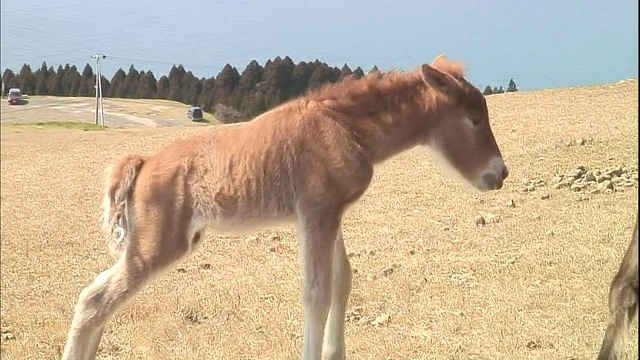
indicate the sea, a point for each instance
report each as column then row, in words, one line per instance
column 540, row 44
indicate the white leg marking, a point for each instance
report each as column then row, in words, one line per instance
column 88, row 321
column 334, row 344
column 317, row 248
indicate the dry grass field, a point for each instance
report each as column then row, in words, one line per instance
column 429, row 283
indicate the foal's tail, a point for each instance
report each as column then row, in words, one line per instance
column 120, row 180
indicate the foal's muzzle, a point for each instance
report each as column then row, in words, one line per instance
column 494, row 177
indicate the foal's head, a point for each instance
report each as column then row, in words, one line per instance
column 459, row 133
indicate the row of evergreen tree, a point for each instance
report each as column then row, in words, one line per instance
column 241, row 95
column 498, row 90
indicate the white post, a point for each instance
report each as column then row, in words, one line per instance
column 100, row 90
column 99, row 98
column 97, row 102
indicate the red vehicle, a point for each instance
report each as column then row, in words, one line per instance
column 15, row 96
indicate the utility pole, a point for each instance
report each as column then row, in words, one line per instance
column 99, row 98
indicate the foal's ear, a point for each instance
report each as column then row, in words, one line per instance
column 434, row 78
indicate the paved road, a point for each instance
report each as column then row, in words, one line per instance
column 118, row 112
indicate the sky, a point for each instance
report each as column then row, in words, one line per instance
column 539, row 43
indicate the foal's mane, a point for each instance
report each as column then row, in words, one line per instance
column 369, row 94
column 377, row 92
column 453, row 68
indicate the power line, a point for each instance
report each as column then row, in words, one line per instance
column 162, row 62
column 328, row 60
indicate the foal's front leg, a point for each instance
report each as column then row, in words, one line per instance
column 318, row 230
column 334, row 346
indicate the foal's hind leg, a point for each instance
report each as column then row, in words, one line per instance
column 145, row 258
column 96, row 304
column 334, row 346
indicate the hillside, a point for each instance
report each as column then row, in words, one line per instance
column 531, row 283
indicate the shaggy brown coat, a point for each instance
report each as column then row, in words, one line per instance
column 305, row 161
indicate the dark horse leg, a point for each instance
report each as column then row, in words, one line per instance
column 623, row 303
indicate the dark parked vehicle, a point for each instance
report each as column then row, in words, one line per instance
column 15, row 96
column 195, row 114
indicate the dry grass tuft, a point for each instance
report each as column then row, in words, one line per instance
column 529, row 283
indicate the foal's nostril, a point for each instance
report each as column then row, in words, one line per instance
column 505, row 173
column 490, row 181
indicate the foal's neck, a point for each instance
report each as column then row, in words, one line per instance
column 385, row 113
column 387, row 136
column 394, row 122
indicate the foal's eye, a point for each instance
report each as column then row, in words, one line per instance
column 474, row 121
